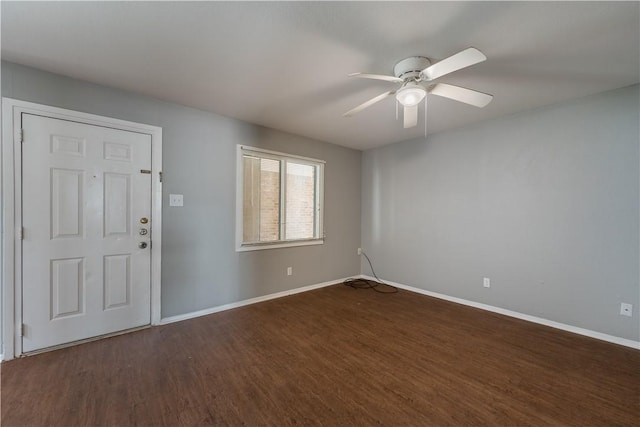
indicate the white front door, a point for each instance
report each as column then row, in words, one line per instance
column 86, row 213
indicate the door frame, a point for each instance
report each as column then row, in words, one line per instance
column 11, row 210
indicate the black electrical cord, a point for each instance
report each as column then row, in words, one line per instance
column 370, row 284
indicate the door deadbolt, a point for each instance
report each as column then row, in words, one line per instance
column 143, row 231
column 144, row 220
column 142, row 245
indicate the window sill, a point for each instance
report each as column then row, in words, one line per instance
column 277, row 245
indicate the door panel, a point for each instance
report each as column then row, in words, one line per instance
column 83, row 198
column 117, row 206
column 117, row 281
column 67, row 206
column 67, row 285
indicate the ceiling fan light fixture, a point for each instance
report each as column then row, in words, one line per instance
column 411, row 95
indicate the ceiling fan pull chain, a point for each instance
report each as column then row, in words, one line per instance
column 425, row 117
column 396, row 109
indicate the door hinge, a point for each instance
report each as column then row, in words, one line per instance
column 21, row 233
column 21, row 135
column 160, row 175
column 22, row 329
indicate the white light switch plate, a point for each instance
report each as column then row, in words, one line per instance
column 176, row 200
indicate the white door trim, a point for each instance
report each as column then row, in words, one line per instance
column 11, row 210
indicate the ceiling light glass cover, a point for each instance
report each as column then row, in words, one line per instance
column 411, row 95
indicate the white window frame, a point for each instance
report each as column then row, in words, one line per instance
column 319, row 194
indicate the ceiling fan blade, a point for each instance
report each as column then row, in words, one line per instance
column 376, row 77
column 453, row 63
column 368, row 103
column 457, row 93
column 410, row 116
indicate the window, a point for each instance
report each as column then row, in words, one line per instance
column 278, row 200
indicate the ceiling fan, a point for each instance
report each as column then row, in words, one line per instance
column 416, row 74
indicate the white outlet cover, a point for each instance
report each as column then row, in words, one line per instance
column 626, row 309
column 486, row 282
column 176, row 200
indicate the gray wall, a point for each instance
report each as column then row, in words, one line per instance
column 200, row 268
column 545, row 203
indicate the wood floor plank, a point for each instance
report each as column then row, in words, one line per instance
column 333, row 356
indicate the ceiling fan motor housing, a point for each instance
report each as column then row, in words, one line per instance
column 410, row 68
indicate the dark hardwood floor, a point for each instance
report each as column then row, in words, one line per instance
column 335, row 356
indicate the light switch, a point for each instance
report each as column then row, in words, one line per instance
column 176, row 200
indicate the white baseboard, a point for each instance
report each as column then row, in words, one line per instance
column 180, row 317
column 586, row 332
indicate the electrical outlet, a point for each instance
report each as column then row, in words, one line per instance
column 289, row 271
column 626, row 309
column 176, row 200
column 486, row 282
column 359, row 251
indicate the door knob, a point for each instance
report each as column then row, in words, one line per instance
column 143, row 231
column 142, row 245
column 144, row 220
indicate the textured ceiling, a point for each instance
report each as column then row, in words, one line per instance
column 284, row 64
